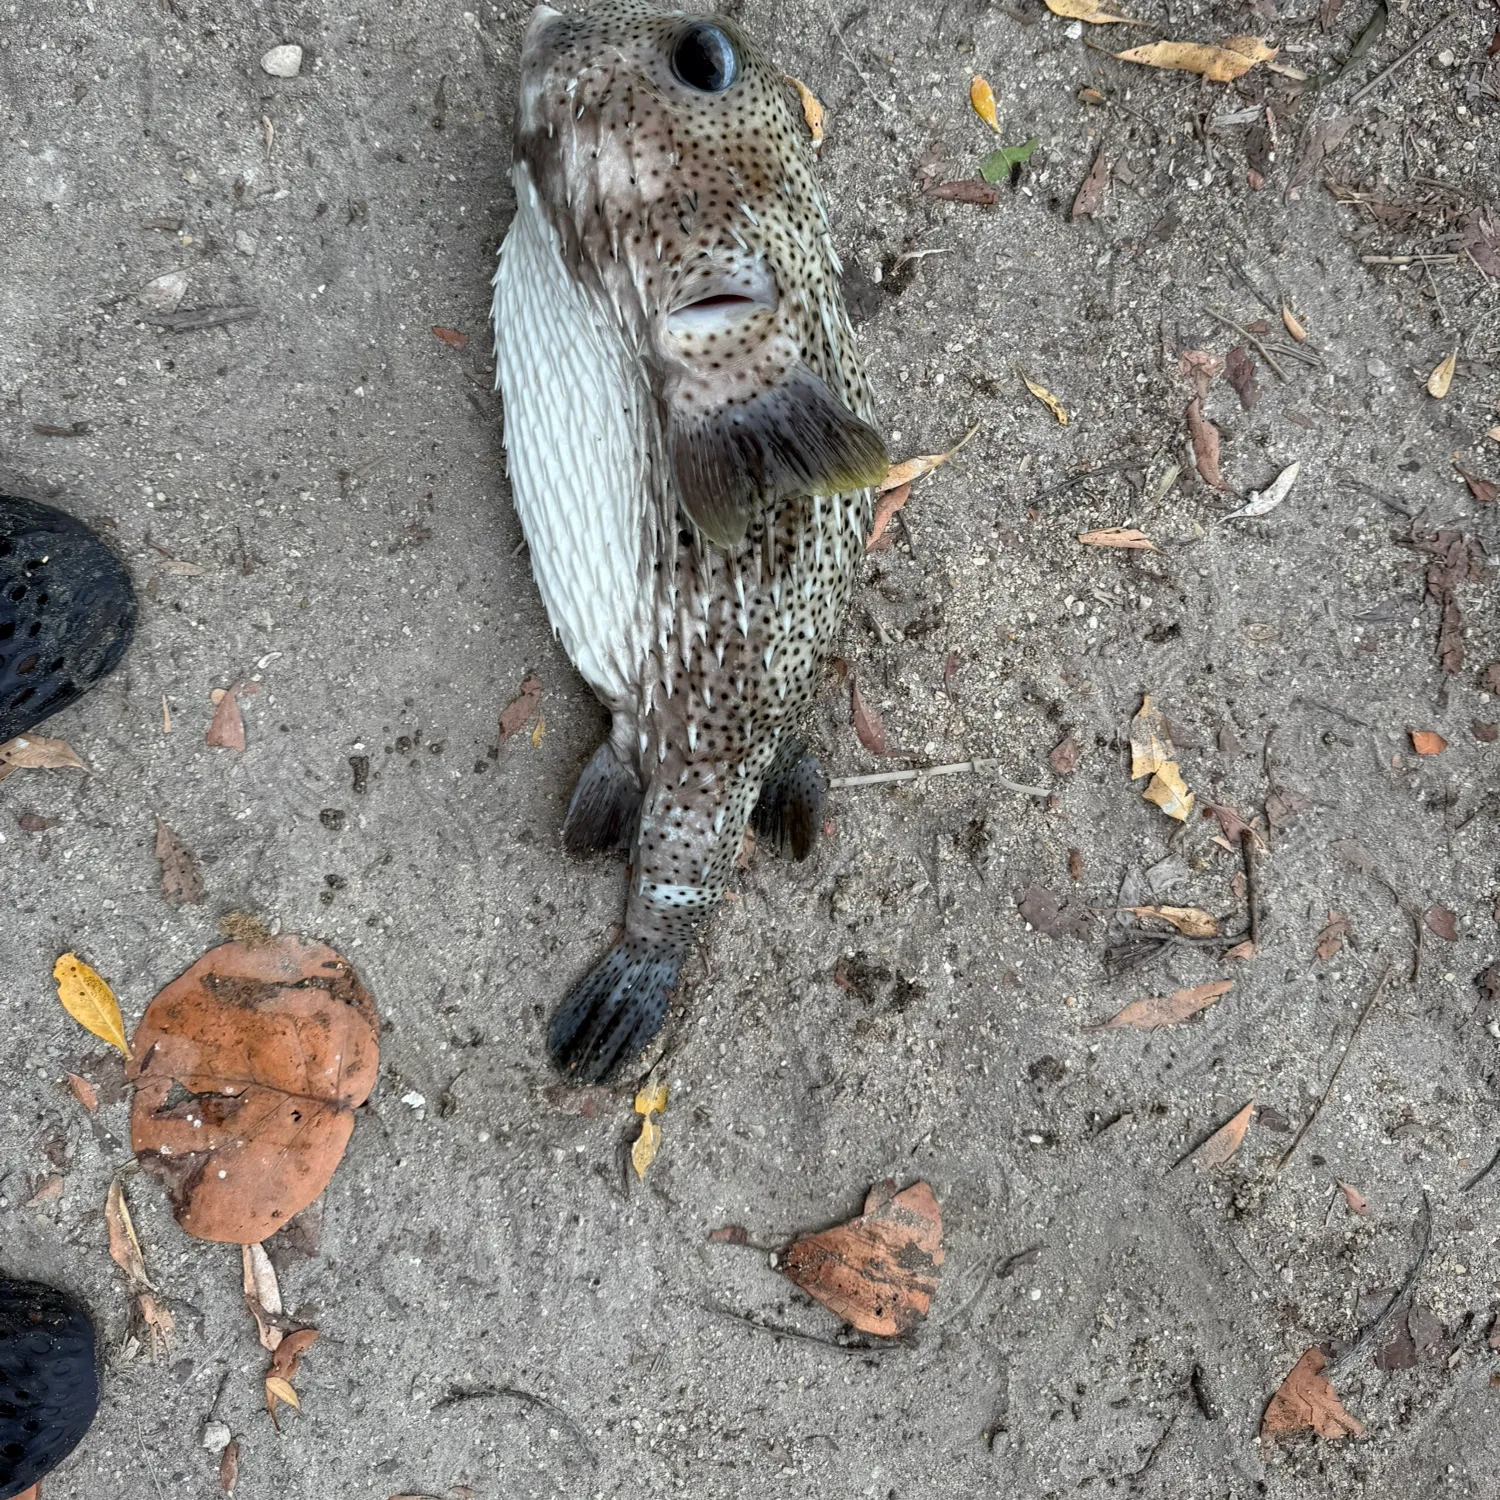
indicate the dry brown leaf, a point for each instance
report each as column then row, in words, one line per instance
column 288, row 1353
column 1239, row 368
column 867, row 723
column 1225, row 1141
column 924, row 463
column 32, row 752
column 729, row 1234
column 229, row 1466
column 1168, row 791
column 885, row 509
column 1150, row 741
column 648, row 1102
column 452, row 336
column 1090, row 199
column 262, row 1294
column 1118, row 536
column 90, row 1001
column 1088, row 10
column 1245, row 950
column 1166, row 1010
column 1440, row 382
column 269, row 1047
column 125, row 1251
column 47, row 1189
column 1427, row 742
column 965, row 190
column 881, row 1270
column 1332, row 938
column 1047, row 399
column 1075, row 864
column 1443, row 922
column 1231, row 59
column 1188, row 920
column 538, row 730
column 1063, row 757
column 514, row 715
column 1205, row 438
column 1293, row 324
column 812, row 111
column 1200, row 367
column 982, row 101
column 181, row 881
column 1358, row 1203
column 1306, row 1399
column 226, row 730
column 83, row 1091
column 1485, row 491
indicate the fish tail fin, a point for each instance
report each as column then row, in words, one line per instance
column 613, row 1012
column 790, row 812
column 605, row 806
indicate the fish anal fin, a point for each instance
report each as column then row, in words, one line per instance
column 605, row 806
column 789, row 814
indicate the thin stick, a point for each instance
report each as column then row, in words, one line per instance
column 777, row 1331
column 1412, row 260
column 1397, row 1297
column 1333, row 1077
column 1410, row 52
column 1483, row 1172
column 924, row 773
column 1265, row 353
column 1247, row 857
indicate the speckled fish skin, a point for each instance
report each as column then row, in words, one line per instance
column 691, row 445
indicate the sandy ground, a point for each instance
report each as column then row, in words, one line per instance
column 315, row 499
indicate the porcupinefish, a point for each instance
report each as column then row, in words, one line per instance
column 691, row 448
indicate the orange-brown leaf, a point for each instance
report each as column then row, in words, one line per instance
column 514, row 715
column 1427, row 742
column 1225, row 1141
column 270, row 1047
column 1306, row 1399
column 84, row 1092
column 1358, row 1203
column 881, row 1270
column 1166, row 1010
column 452, row 337
column 1191, row 921
column 1118, row 536
column 226, row 730
column 868, row 724
column 1205, row 438
column 885, row 509
column 1331, row 939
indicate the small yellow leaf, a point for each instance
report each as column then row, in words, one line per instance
column 1047, row 399
column 89, row 1001
column 1150, row 741
column 982, row 98
column 812, row 110
column 924, row 463
column 648, row 1101
column 1293, row 324
column 1441, row 378
column 1118, row 536
column 278, row 1389
column 539, row 731
column 1235, row 56
column 1191, row 921
column 1087, row 10
column 1169, row 792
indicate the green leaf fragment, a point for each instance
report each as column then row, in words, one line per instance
column 999, row 164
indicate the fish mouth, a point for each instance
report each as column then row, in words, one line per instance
column 723, row 301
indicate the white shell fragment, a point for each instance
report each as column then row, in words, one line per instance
column 164, row 294
column 1262, row 501
column 283, row 62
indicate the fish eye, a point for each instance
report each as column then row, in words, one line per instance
column 704, row 59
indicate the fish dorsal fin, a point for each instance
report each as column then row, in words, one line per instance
column 793, row 438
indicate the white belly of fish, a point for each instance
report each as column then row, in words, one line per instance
column 575, row 426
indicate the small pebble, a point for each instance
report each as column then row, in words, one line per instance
column 216, row 1436
column 413, row 1100
column 283, row 62
column 245, row 242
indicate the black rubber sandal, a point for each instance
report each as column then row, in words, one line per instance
column 49, row 1385
column 67, row 612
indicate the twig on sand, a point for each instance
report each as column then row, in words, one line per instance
column 1244, row 332
column 1483, row 1172
column 1406, row 56
column 1247, row 857
column 1338, row 1068
column 1411, row 260
column 923, row 773
column 776, row 1330
column 1401, row 1293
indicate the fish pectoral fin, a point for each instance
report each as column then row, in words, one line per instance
column 789, row 814
column 796, row 438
